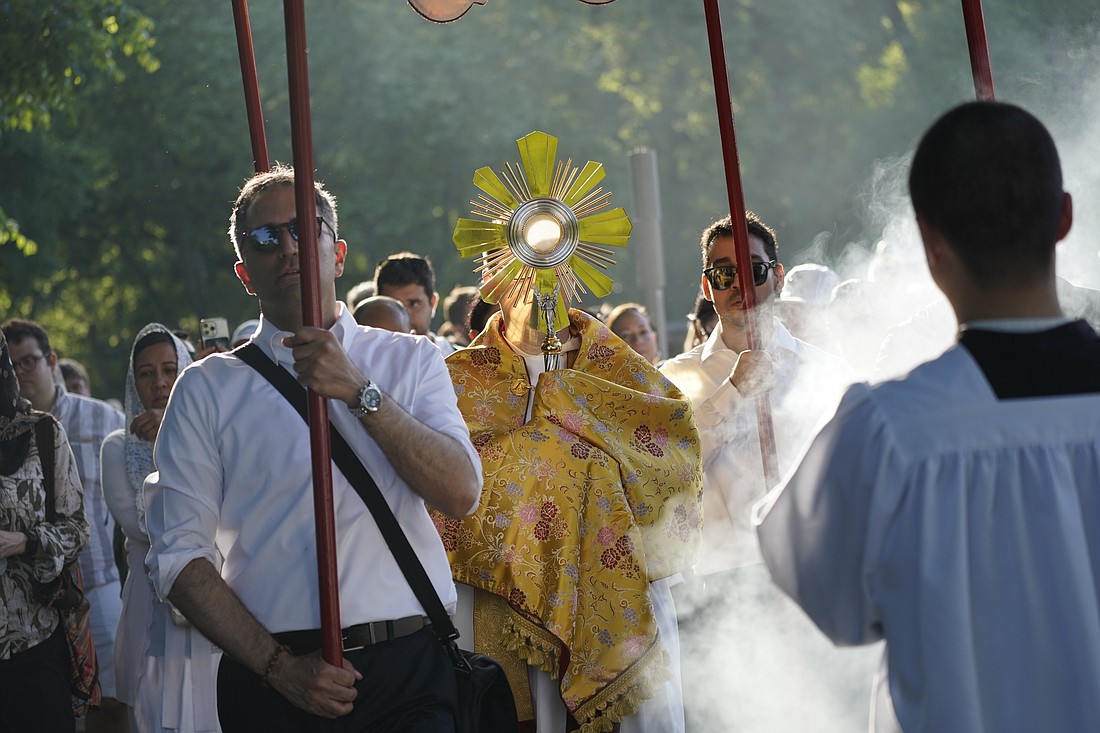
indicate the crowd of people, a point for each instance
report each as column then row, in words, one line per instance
column 596, row 516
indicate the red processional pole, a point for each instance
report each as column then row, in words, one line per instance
column 306, row 206
column 740, row 228
column 251, row 86
column 979, row 50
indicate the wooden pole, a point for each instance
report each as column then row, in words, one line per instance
column 306, row 203
column 979, row 50
column 740, row 229
column 251, row 86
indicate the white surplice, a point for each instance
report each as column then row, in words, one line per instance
column 966, row 532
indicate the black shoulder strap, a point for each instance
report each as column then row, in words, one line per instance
column 47, row 451
column 363, row 483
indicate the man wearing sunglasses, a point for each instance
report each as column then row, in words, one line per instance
column 231, row 509
column 720, row 377
column 720, row 374
column 955, row 512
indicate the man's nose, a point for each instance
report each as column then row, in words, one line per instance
column 288, row 245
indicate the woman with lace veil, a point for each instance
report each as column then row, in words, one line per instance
column 166, row 669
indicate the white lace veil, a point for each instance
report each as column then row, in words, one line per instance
column 139, row 453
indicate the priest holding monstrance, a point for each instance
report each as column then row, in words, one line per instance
column 591, row 496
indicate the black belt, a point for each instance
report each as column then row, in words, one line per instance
column 355, row 637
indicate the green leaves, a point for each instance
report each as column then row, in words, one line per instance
column 49, row 51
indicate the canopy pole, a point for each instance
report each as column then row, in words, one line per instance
column 740, row 228
column 251, row 86
column 979, row 50
column 305, row 201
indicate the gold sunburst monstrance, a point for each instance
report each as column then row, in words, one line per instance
column 544, row 228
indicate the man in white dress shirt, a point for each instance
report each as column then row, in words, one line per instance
column 721, row 376
column 956, row 512
column 231, row 513
column 730, row 609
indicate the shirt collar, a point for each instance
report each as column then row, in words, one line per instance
column 1016, row 325
column 781, row 339
column 269, row 337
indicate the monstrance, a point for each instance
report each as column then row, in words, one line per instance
column 543, row 235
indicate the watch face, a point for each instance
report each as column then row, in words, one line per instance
column 370, row 398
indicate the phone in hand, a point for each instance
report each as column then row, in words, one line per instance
column 213, row 332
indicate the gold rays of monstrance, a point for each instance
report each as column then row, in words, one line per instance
column 544, row 231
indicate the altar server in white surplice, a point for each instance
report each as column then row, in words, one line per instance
column 956, row 512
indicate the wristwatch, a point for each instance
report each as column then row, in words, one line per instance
column 31, row 548
column 370, row 399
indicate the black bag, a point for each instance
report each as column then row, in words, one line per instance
column 66, row 591
column 485, row 701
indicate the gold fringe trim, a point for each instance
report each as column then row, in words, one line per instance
column 612, row 704
column 625, row 695
column 533, row 644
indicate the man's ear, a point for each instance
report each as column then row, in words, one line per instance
column 780, row 275
column 1065, row 221
column 937, row 252
column 51, row 360
column 708, row 294
column 242, row 275
column 435, row 301
column 341, row 255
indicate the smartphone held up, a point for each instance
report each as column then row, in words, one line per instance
column 214, row 333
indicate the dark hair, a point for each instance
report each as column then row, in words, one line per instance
column 359, row 292
column 150, row 339
column 986, row 175
column 72, row 368
column 458, row 302
column 405, row 268
column 480, row 312
column 18, row 329
column 724, row 228
column 620, row 310
column 280, row 175
column 185, row 337
column 703, row 312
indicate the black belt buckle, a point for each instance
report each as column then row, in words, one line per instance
column 377, row 632
column 367, row 630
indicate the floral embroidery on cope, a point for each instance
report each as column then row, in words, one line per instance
column 584, row 504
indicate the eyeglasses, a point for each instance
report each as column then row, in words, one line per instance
column 723, row 278
column 266, row 238
column 27, row 364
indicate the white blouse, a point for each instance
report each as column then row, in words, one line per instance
column 166, row 672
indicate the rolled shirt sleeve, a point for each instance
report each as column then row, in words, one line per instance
column 183, row 497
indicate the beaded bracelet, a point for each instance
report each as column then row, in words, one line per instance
column 279, row 651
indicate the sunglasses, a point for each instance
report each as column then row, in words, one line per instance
column 723, row 278
column 266, row 238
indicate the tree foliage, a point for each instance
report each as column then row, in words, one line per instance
column 122, row 202
column 49, row 50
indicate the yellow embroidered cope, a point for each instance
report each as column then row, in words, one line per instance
column 597, row 494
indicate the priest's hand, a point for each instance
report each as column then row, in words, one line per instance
column 754, row 373
column 314, row 685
